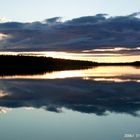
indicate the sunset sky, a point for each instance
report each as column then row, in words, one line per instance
column 96, row 30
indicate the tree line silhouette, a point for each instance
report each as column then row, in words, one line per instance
column 14, row 65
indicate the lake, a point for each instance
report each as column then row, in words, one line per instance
column 99, row 103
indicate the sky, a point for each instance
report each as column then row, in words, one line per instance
column 37, row 10
column 85, row 28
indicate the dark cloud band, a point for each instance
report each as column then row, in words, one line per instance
column 84, row 33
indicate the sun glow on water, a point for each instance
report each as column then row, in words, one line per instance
column 101, row 73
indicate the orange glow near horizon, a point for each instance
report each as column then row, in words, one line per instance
column 107, row 57
column 3, row 36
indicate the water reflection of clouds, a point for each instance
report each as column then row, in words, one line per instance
column 4, row 110
column 3, row 93
column 85, row 96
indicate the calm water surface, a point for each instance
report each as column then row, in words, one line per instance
column 100, row 103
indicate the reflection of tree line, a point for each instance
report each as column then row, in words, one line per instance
column 11, row 65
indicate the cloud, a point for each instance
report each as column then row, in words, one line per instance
column 3, row 36
column 4, row 19
column 85, row 96
column 135, row 14
column 53, row 21
column 84, row 33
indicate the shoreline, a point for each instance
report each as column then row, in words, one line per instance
column 23, row 65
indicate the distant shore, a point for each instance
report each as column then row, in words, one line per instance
column 136, row 63
column 15, row 65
